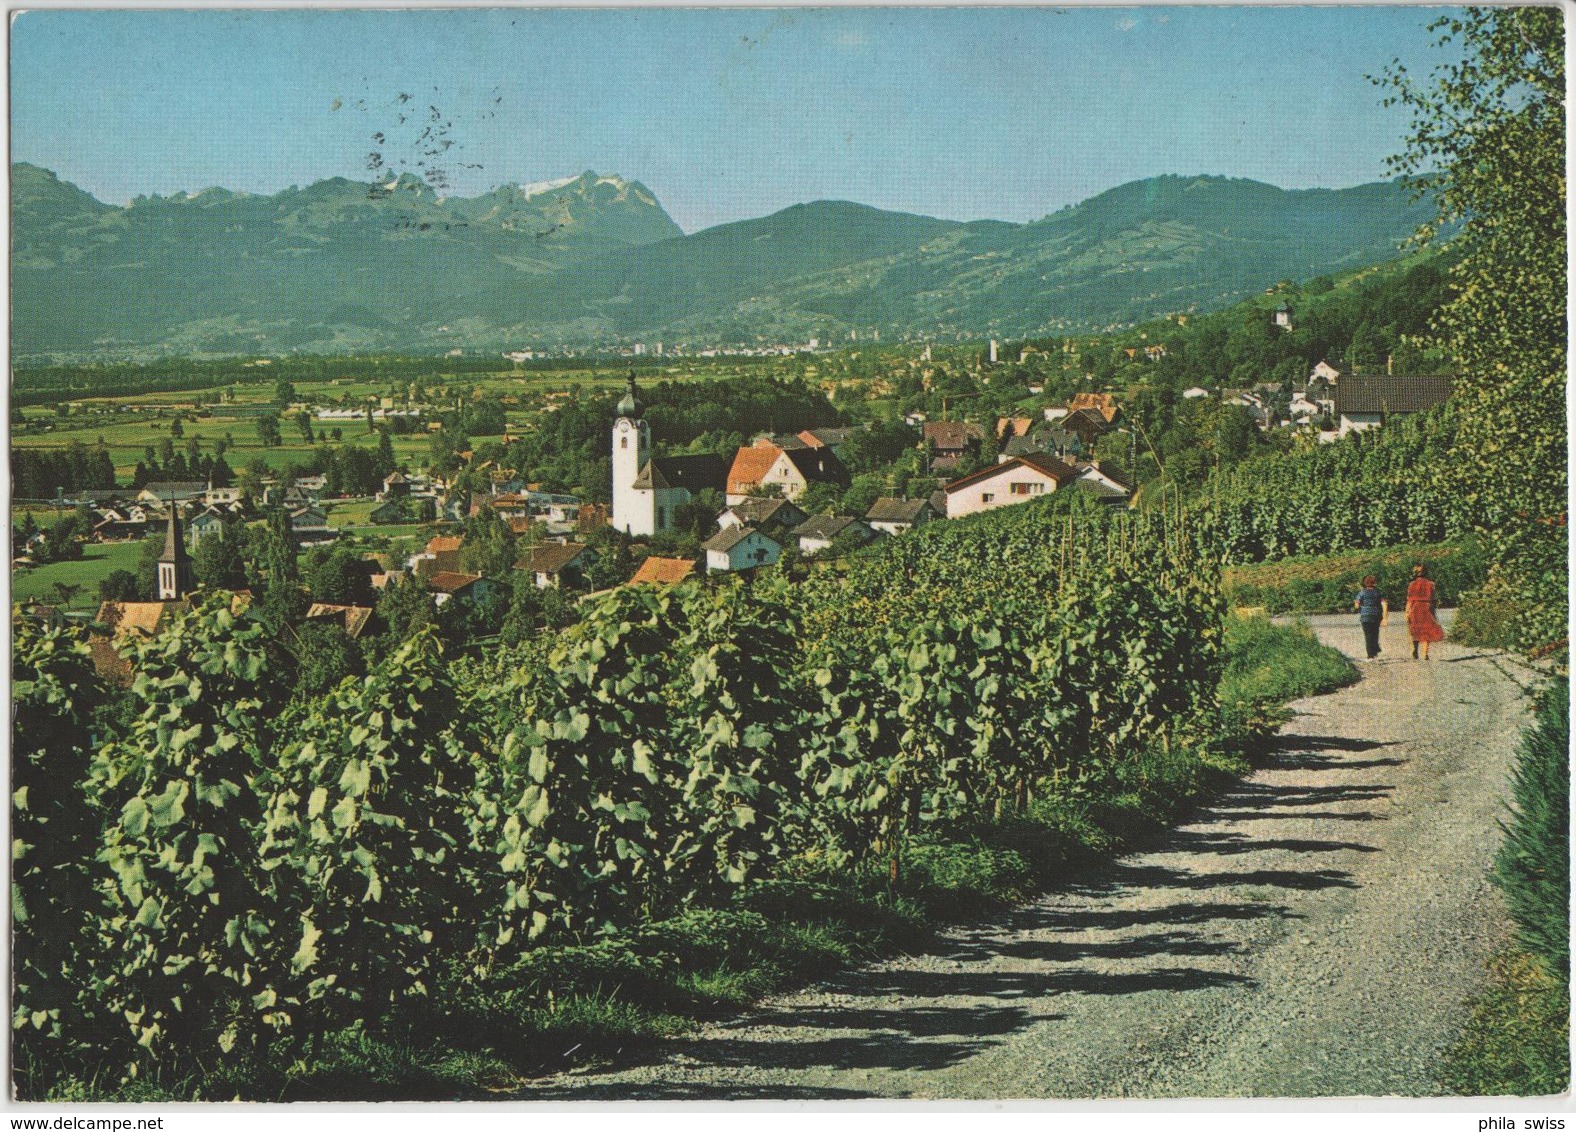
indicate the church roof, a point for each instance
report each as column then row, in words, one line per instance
column 629, row 405
column 692, row 473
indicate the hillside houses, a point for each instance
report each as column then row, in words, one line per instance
column 1364, row 401
column 765, row 513
column 454, row 585
column 660, row 571
column 559, row 565
column 357, row 621
column 894, row 516
column 740, row 548
column 1088, row 425
column 1102, row 403
column 820, row 532
column 1015, row 480
column 766, row 467
column 949, row 442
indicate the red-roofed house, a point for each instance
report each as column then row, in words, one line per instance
column 441, row 554
column 663, row 571
column 766, row 465
column 449, row 585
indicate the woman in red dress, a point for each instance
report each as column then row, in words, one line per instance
column 1420, row 619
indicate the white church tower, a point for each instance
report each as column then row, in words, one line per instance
column 634, row 510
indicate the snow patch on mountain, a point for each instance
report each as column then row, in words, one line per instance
column 536, row 188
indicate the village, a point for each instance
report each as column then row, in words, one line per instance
column 502, row 548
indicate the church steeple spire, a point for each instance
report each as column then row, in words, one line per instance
column 175, row 564
column 630, row 405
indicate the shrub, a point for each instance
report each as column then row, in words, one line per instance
column 190, row 939
column 1533, row 867
column 374, row 833
column 1487, row 616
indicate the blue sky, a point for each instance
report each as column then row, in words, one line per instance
column 724, row 114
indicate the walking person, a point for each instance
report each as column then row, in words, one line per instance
column 1420, row 619
column 1373, row 612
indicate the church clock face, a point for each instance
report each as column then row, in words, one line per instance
column 623, row 426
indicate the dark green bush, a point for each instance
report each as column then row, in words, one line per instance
column 1534, row 862
column 1487, row 617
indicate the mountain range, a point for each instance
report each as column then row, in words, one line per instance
column 346, row 266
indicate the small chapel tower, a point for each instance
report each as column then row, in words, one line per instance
column 633, row 509
column 175, row 564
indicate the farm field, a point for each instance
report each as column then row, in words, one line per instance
column 97, row 562
column 231, row 411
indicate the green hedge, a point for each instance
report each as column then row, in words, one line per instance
column 1327, row 584
column 1534, row 862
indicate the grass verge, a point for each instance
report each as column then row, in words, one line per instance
column 1517, row 1041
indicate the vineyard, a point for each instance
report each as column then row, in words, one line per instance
column 1365, row 492
column 208, row 870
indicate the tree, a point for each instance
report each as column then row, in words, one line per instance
column 1487, row 141
column 338, row 578
column 385, row 460
column 219, row 560
column 268, row 430
column 274, row 561
column 820, row 498
column 883, row 442
column 284, row 393
column 61, row 540
column 1235, row 434
column 405, row 608
column 325, row 655
column 489, row 545
column 219, row 473
column 177, row 429
column 524, row 616
column 304, row 421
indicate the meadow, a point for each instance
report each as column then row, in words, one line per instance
column 129, row 424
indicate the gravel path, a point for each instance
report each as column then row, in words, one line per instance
column 1315, row 932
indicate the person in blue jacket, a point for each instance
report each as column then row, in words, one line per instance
column 1373, row 611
